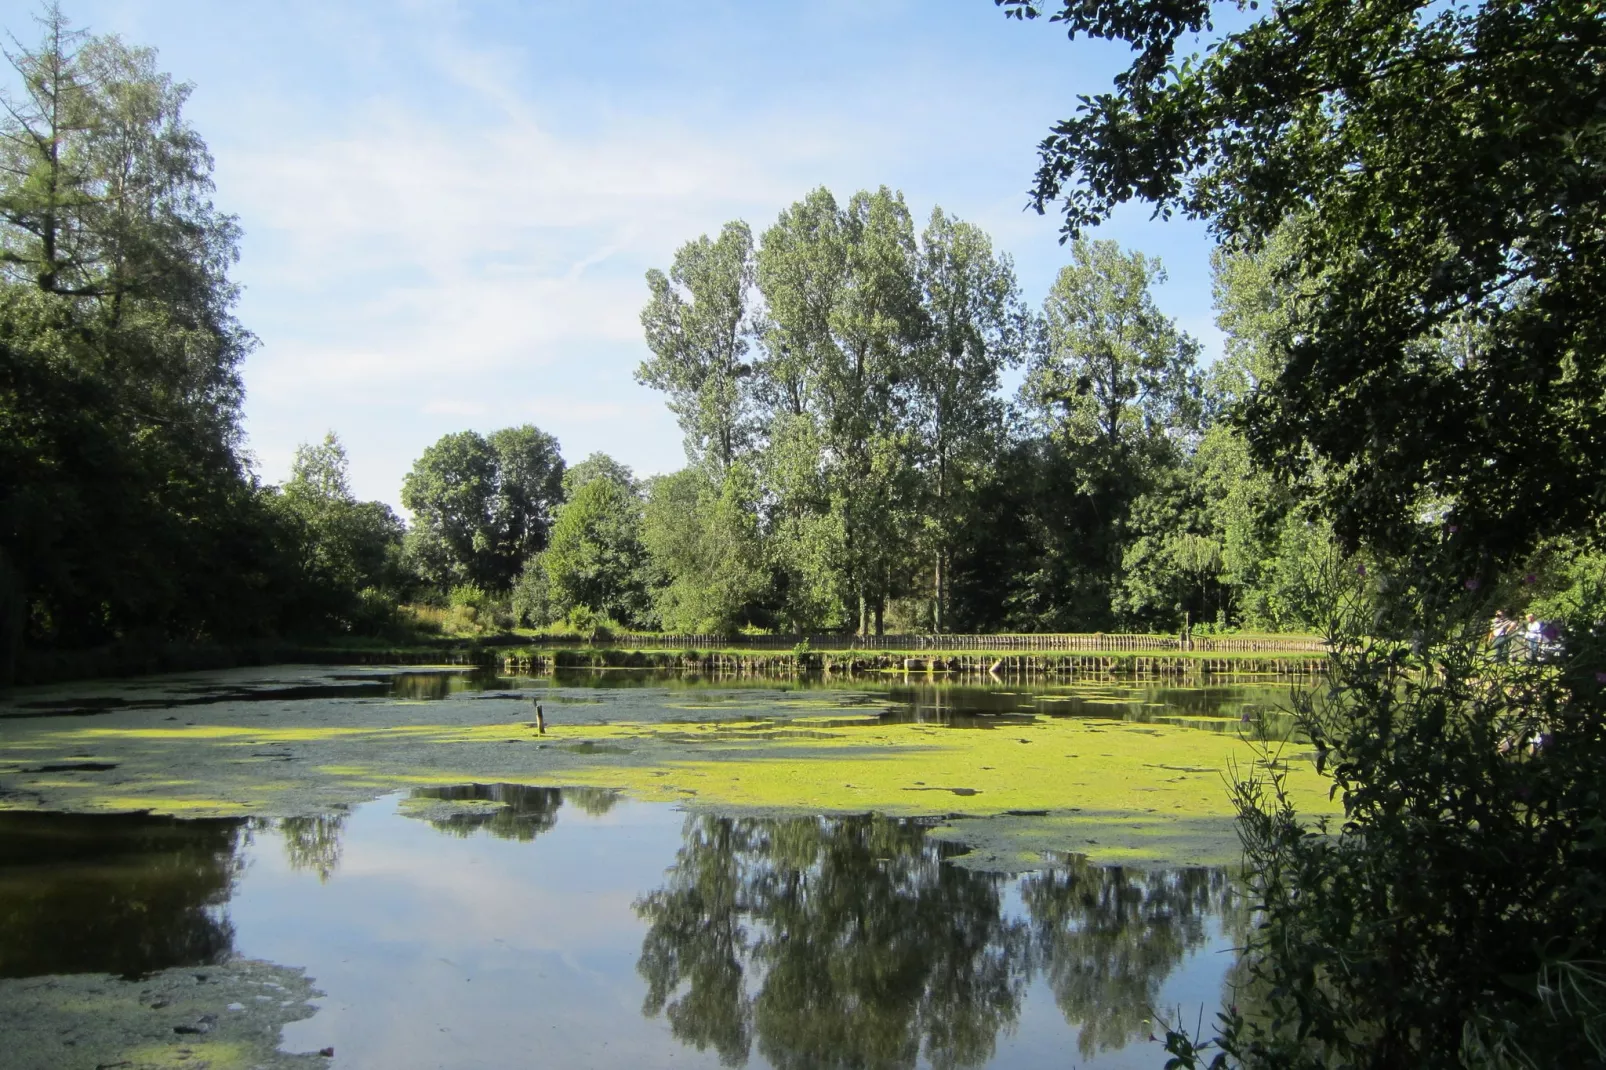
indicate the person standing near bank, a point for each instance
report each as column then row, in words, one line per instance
column 1500, row 635
column 1533, row 632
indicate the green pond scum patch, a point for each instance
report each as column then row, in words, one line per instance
column 1016, row 843
column 1014, row 788
column 224, row 1017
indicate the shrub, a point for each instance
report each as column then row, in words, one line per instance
column 374, row 612
column 1457, row 915
column 531, row 599
column 469, row 612
column 590, row 625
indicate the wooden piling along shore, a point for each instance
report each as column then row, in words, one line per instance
column 1056, row 657
column 991, row 665
column 1088, row 642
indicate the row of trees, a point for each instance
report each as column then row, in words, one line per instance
column 853, row 460
column 838, row 382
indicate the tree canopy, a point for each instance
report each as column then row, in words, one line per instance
column 119, row 355
column 698, row 327
column 481, row 505
column 596, row 559
column 351, row 546
column 1439, row 165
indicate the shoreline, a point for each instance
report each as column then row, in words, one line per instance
column 522, row 654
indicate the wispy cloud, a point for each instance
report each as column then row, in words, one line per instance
column 414, row 257
column 449, row 206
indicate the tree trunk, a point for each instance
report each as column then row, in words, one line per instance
column 942, row 533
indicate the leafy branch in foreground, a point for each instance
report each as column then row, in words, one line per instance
column 1442, row 163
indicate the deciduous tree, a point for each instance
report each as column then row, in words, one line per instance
column 697, row 324
column 482, row 505
column 702, row 536
column 595, row 558
column 119, row 354
column 352, row 545
column 976, row 327
column 1443, row 163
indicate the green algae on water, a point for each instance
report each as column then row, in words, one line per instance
column 1153, row 791
column 222, row 1017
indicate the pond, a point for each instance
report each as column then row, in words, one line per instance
column 419, row 918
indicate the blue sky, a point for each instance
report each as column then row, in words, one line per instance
column 449, row 208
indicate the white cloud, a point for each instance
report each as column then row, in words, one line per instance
column 444, row 233
column 412, row 192
column 481, row 269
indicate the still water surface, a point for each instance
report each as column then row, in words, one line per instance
column 578, row 928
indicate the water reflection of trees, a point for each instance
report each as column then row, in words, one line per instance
column 313, row 843
column 1106, row 937
column 870, row 949
column 433, row 686
column 1215, row 709
column 523, row 812
column 123, row 894
column 847, row 942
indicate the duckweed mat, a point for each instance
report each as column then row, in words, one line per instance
column 1016, row 789
column 215, row 1017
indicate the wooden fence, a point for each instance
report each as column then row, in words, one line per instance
column 1098, row 642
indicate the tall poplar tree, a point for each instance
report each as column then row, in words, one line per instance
column 1115, row 381
column 1115, row 366
column 878, row 323
column 844, row 302
column 698, row 324
column 976, row 325
column 802, row 267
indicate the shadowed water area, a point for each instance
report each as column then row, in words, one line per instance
column 488, row 922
